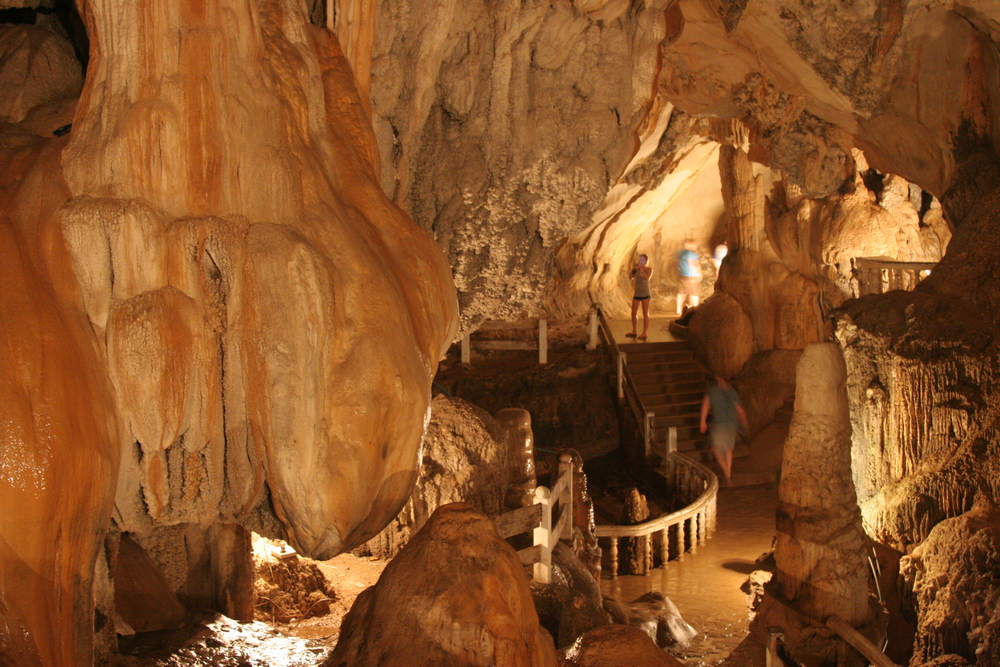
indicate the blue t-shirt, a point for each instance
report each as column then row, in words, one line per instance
column 724, row 402
column 685, row 259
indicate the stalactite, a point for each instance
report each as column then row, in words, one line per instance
column 744, row 197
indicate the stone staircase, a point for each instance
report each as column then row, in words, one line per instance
column 671, row 384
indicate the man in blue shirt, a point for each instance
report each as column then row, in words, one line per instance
column 727, row 416
column 689, row 266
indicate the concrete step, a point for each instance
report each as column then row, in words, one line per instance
column 691, row 432
column 683, row 420
column 676, row 366
column 655, row 400
column 670, row 379
column 682, row 407
column 706, row 457
column 645, row 347
column 640, row 357
column 670, row 388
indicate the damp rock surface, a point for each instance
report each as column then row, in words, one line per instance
column 456, row 594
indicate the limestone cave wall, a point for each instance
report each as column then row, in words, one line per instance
column 502, row 126
column 214, row 316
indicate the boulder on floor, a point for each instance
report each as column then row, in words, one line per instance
column 654, row 614
column 616, row 646
column 143, row 598
column 456, row 595
column 659, row 618
column 572, row 604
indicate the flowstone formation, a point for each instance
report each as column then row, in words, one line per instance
column 922, row 384
column 205, row 282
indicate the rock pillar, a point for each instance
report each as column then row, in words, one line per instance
column 517, row 437
column 744, row 198
column 820, row 549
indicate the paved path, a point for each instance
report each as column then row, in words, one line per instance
column 658, row 332
column 706, row 586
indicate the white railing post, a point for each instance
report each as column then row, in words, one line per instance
column 592, row 330
column 543, row 341
column 614, row 556
column 621, row 377
column 466, row 349
column 542, row 536
column 672, row 440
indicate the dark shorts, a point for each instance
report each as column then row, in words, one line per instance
column 640, row 298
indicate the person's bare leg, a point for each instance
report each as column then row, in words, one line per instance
column 680, row 305
column 645, row 317
column 728, row 468
column 694, row 300
column 635, row 322
column 720, row 458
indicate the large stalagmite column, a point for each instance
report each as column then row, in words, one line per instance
column 820, row 549
column 223, row 167
column 268, row 320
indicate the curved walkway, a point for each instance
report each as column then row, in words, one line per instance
column 706, row 586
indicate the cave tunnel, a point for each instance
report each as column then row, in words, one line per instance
column 306, row 306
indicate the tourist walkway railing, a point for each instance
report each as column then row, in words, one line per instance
column 548, row 520
column 693, row 484
column 877, row 275
column 682, row 531
column 628, row 394
column 525, row 335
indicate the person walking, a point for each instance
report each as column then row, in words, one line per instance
column 689, row 266
column 640, row 276
column 727, row 416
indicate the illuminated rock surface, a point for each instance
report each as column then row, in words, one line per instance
column 268, row 320
column 820, row 545
column 456, row 594
column 205, row 282
column 463, row 460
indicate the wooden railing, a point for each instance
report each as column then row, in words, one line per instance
column 876, row 275
column 540, row 343
column 538, row 520
column 686, row 528
column 695, row 485
column 628, row 394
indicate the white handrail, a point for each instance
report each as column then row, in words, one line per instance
column 545, row 532
column 699, row 516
